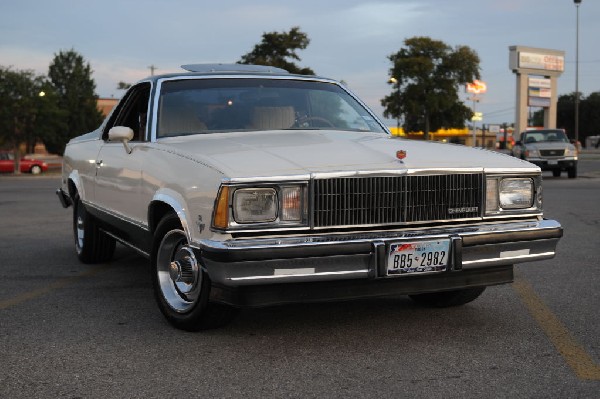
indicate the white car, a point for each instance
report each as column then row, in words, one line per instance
column 549, row 149
column 249, row 186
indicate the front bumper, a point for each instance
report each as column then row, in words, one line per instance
column 552, row 164
column 354, row 264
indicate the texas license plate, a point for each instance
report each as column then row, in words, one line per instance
column 418, row 257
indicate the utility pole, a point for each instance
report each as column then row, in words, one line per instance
column 152, row 69
column 577, row 2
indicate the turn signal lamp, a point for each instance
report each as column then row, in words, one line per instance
column 221, row 216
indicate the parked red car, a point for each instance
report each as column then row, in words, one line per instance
column 27, row 165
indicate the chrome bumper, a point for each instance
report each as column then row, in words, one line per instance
column 363, row 255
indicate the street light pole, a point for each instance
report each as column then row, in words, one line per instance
column 577, row 2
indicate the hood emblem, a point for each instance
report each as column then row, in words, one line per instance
column 400, row 154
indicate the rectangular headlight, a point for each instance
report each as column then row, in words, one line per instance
column 516, row 193
column 255, row 205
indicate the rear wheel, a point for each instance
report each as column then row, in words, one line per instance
column 446, row 299
column 35, row 170
column 556, row 172
column 92, row 244
column 181, row 286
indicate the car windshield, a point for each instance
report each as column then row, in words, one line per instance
column 197, row 106
column 545, row 135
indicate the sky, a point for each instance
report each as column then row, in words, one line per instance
column 350, row 40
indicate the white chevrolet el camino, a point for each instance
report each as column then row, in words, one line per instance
column 249, row 186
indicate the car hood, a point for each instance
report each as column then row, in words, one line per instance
column 298, row 152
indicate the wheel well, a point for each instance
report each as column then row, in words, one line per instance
column 156, row 212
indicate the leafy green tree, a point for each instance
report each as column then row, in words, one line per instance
column 276, row 48
column 123, row 85
column 75, row 89
column 427, row 76
column 589, row 118
column 28, row 110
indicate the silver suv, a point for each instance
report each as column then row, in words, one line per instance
column 549, row 149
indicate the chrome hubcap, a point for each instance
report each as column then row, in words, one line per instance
column 184, row 270
column 179, row 274
column 80, row 232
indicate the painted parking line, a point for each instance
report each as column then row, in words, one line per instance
column 27, row 296
column 572, row 352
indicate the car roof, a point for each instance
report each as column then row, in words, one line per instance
column 544, row 130
column 203, row 70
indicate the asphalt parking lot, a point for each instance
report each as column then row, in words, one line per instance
column 69, row 330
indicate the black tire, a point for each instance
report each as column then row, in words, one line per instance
column 556, row 172
column 572, row 172
column 181, row 285
column 92, row 244
column 446, row 299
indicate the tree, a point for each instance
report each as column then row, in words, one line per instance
column 75, row 88
column 589, row 118
column 428, row 74
column 590, row 125
column 28, row 110
column 276, row 48
column 123, row 86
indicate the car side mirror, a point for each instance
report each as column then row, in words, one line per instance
column 123, row 134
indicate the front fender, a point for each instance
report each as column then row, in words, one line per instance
column 173, row 200
column 74, row 185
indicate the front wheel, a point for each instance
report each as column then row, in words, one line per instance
column 181, row 286
column 572, row 172
column 35, row 170
column 446, row 299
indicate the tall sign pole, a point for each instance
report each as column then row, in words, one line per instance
column 577, row 2
column 540, row 90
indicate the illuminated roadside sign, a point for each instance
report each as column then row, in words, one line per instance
column 477, row 87
column 543, row 83
column 543, row 102
column 546, row 62
column 539, row 92
column 477, row 116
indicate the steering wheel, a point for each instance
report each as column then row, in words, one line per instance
column 306, row 121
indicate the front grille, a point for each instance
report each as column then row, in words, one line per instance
column 356, row 201
column 552, row 153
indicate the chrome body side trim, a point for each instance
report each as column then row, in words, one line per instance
column 127, row 244
column 360, row 273
column 116, row 215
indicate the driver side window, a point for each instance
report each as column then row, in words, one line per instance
column 132, row 112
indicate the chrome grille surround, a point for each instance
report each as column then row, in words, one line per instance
column 396, row 200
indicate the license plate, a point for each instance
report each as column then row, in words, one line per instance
column 418, row 257
column 552, row 162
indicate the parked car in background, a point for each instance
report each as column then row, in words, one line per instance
column 26, row 165
column 549, row 149
column 249, row 186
